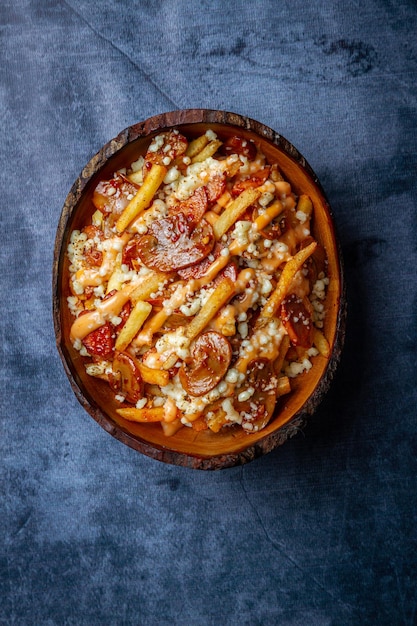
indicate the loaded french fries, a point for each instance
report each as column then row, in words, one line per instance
column 198, row 290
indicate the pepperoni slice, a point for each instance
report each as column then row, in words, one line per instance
column 130, row 252
column 240, row 145
column 174, row 146
column 100, row 342
column 199, row 269
column 297, row 321
column 125, row 377
column 210, row 357
column 93, row 257
column 112, row 196
column 256, row 180
column 172, row 244
column 194, row 207
column 261, row 386
column 215, row 187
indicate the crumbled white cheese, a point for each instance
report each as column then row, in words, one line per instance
column 231, row 414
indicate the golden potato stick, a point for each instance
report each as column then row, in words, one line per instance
column 196, row 146
column 218, row 264
column 265, row 218
column 143, row 197
column 136, row 177
column 217, row 420
column 236, row 247
column 212, row 270
column 291, row 268
column 242, row 363
column 88, row 277
column 222, row 293
column 156, row 321
column 85, row 324
column 208, row 151
column 154, row 414
column 97, row 219
column 305, row 205
column 321, row 343
column 283, row 349
column 115, row 281
column 224, row 199
column 152, row 376
column 151, row 284
column 284, row 386
column 211, row 217
column 133, row 324
column 232, row 167
column 232, row 212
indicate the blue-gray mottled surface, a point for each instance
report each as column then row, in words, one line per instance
column 321, row 531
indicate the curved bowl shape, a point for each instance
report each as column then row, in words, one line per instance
column 200, row 450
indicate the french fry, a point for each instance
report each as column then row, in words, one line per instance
column 224, row 199
column 208, row 151
column 136, row 177
column 321, row 343
column 150, row 284
column 115, row 280
column 222, row 293
column 284, row 386
column 153, row 376
column 153, row 414
column 217, row 420
column 233, row 167
column 305, row 205
column 234, row 211
column 85, row 324
column 291, row 268
column 157, row 321
column 268, row 215
column 196, row 145
column 143, row 197
column 97, row 218
column 169, row 310
column 211, row 217
column 134, row 322
column 283, row 349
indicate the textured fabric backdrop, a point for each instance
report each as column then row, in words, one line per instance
column 322, row 531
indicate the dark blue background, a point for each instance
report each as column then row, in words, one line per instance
column 321, row 531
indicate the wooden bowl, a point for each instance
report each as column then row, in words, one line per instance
column 205, row 449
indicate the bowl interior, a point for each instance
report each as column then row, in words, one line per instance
column 188, row 447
